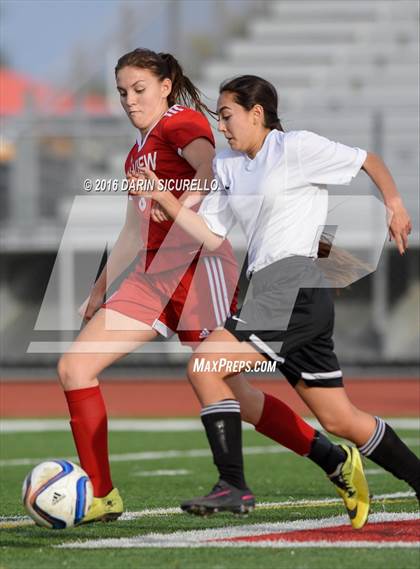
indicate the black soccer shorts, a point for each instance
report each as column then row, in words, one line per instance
column 290, row 319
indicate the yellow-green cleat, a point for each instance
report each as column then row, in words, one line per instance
column 105, row 509
column 352, row 486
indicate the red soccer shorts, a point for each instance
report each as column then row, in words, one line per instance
column 190, row 301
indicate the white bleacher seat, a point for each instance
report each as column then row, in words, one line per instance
column 339, row 67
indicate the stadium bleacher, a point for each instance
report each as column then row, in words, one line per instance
column 347, row 70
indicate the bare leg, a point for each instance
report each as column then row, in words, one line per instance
column 336, row 413
column 210, row 386
column 105, row 339
column 250, row 398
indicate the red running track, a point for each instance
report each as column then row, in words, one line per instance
column 175, row 398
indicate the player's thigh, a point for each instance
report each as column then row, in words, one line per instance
column 107, row 337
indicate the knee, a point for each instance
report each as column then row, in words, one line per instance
column 191, row 369
column 72, row 374
column 195, row 370
column 201, row 369
column 338, row 425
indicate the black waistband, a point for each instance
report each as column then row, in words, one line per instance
column 291, row 272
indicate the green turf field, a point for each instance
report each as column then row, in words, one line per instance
column 274, row 477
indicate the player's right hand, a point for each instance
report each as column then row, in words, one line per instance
column 399, row 224
column 91, row 305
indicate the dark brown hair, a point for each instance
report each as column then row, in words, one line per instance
column 250, row 90
column 165, row 66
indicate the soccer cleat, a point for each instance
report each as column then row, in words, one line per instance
column 223, row 498
column 351, row 485
column 105, row 509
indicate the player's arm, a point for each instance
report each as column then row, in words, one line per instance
column 199, row 154
column 190, row 221
column 400, row 223
column 124, row 251
column 122, row 255
column 186, row 218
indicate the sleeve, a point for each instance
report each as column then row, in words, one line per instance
column 215, row 209
column 185, row 126
column 323, row 161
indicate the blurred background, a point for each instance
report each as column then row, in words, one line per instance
column 345, row 69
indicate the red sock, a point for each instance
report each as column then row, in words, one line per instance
column 280, row 423
column 89, row 424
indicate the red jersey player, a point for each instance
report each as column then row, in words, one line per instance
column 169, row 250
column 175, row 286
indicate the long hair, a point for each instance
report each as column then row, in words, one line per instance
column 166, row 66
column 338, row 265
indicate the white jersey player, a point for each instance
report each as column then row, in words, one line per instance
column 274, row 185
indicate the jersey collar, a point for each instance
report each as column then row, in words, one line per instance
column 253, row 163
column 142, row 141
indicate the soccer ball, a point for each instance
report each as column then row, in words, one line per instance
column 57, row 494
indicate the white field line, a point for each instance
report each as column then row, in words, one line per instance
column 204, row 538
column 158, row 455
column 379, row 471
column 130, row 425
column 18, row 521
column 287, row 504
column 154, row 425
column 150, row 473
column 151, row 455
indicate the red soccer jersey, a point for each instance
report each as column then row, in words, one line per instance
column 161, row 151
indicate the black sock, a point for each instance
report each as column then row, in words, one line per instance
column 326, row 454
column 387, row 449
column 222, row 422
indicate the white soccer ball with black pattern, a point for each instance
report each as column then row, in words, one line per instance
column 57, row 494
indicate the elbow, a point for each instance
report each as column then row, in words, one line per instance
column 214, row 242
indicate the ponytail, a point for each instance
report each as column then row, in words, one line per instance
column 166, row 66
column 183, row 91
column 339, row 267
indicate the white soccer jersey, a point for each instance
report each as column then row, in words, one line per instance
column 279, row 198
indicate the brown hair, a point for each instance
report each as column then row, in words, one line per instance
column 165, row 66
column 340, row 267
column 250, row 90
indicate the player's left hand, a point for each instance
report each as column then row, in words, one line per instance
column 400, row 224
column 154, row 190
column 153, row 180
column 149, row 190
column 157, row 213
